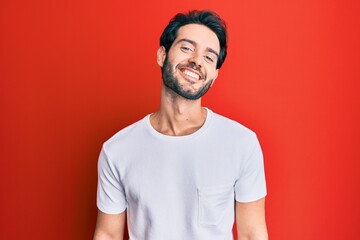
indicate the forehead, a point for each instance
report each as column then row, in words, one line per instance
column 200, row 34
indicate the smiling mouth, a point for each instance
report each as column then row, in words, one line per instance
column 191, row 74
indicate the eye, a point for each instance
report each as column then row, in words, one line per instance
column 209, row 59
column 186, row 49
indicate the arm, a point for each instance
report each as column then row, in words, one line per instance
column 110, row 226
column 250, row 220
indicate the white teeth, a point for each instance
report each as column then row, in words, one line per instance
column 191, row 74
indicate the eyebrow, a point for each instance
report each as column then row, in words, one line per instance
column 194, row 43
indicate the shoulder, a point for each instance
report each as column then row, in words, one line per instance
column 126, row 136
column 231, row 128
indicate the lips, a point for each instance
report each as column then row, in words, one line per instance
column 191, row 73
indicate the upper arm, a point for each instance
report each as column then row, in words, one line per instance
column 110, row 226
column 250, row 220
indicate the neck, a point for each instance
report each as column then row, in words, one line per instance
column 177, row 116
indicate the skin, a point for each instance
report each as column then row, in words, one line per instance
column 178, row 116
column 195, row 49
column 110, row 226
column 250, row 220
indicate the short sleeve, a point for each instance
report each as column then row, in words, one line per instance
column 110, row 193
column 251, row 184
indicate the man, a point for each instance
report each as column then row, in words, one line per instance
column 183, row 172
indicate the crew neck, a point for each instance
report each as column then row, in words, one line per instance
column 165, row 137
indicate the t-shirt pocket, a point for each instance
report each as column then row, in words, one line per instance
column 213, row 203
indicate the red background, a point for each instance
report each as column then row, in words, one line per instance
column 75, row 72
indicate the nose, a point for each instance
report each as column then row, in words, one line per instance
column 196, row 59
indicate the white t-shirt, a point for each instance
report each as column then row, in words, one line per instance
column 180, row 187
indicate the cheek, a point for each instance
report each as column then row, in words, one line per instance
column 212, row 74
column 177, row 58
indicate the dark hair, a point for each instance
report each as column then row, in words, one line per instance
column 207, row 18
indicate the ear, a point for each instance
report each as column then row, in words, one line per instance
column 216, row 75
column 161, row 55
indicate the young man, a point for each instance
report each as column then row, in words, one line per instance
column 183, row 172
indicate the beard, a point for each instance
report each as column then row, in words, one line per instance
column 171, row 82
